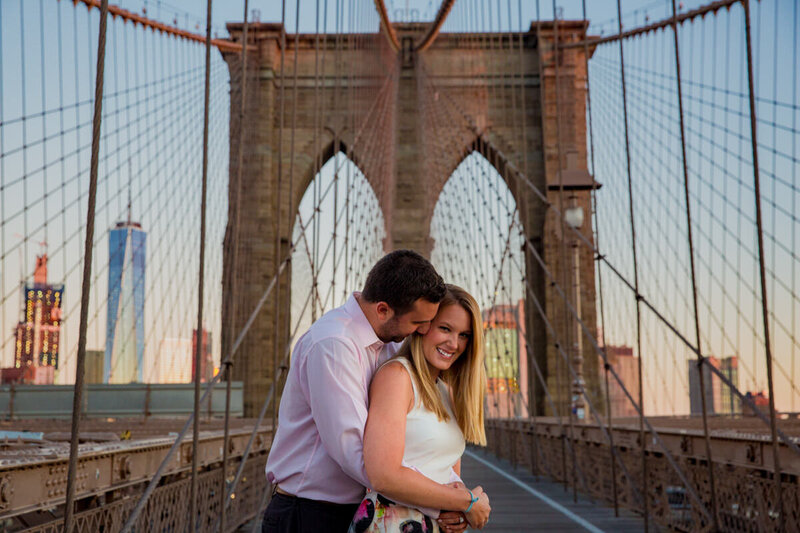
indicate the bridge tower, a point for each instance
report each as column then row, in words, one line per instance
column 548, row 158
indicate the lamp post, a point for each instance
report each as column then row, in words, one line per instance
column 576, row 183
column 573, row 217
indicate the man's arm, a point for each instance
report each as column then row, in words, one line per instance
column 339, row 403
column 339, row 406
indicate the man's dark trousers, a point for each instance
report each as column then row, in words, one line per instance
column 290, row 514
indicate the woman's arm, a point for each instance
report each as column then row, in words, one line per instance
column 391, row 393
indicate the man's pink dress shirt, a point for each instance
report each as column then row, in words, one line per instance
column 318, row 451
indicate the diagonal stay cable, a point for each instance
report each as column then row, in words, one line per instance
column 240, row 338
column 601, row 257
column 559, row 347
column 667, row 454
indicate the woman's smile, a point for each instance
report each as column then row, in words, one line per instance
column 447, row 337
column 444, row 353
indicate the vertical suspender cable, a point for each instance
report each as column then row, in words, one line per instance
column 514, row 124
column 290, row 211
column 44, row 106
column 87, row 270
column 794, row 180
column 200, row 282
column 762, row 270
column 566, row 386
column 542, row 108
column 234, row 260
column 645, row 481
column 335, row 91
column 532, row 403
column 3, row 173
column 277, row 253
column 316, row 181
column 609, row 423
column 700, row 359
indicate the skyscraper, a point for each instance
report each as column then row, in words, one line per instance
column 719, row 397
column 125, row 319
column 206, row 359
column 712, row 389
column 626, row 365
column 93, row 366
column 731, row 404
column 506, row 360
column 37, row 334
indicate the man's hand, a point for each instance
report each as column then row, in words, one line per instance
column 452, row 521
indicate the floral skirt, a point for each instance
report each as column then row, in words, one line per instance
column 377, row 514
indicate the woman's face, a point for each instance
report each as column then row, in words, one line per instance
column 447, row 337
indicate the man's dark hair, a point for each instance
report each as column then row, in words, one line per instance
column 402, row 277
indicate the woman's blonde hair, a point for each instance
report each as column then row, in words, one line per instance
column 466, row 376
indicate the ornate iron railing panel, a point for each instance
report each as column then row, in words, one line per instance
column 742, row 469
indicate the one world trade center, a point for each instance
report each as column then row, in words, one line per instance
column 125, row 323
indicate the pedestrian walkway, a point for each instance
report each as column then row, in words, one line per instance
column 522, row 503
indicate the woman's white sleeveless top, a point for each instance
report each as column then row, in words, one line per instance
column 432, row 446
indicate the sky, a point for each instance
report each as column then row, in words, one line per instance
column 190, row 14
column 141, row 92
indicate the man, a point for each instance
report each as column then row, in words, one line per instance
column 316, row 463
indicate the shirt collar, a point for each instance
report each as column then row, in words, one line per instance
column 361, row 328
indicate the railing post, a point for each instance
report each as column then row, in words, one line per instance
column 11, row 402
column 226, row 437
column 146, row 400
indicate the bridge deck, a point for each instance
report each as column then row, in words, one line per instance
column 521, row 503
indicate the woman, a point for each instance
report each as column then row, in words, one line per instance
column 424, row 403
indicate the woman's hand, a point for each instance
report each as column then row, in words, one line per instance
column 479, row 514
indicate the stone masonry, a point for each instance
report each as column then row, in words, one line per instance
column 402, row 126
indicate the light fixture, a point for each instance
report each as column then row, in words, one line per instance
column 573, row 216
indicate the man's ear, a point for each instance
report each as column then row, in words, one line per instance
column 383, row 311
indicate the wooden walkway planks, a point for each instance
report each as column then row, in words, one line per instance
column 518, row 510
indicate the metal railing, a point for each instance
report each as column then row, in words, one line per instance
column 104, row 400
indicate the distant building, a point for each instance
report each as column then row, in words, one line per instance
column 761, row 401
column 206, row 359
column 730, row 403
column 93, row 366
column 174, row 362
column 626, row 365
column 28, row 375
column 695, row 400
column 36, row 336
column 506, row 361
column 124, row 353
column 719, row 397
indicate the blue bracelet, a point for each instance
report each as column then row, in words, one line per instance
column 472, row 502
